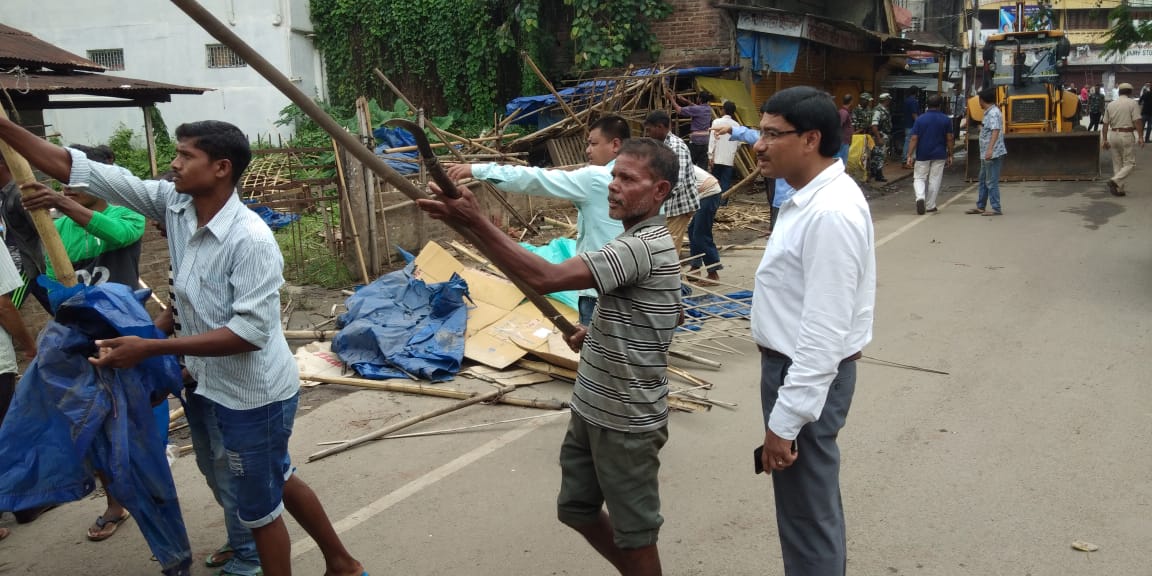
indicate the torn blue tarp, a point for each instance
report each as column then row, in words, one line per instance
column 402, row 162
column 708, row 306
column 69, row 418
column 532, row 108
column 275, row 220
column 769, row 52
column 557, row 251
column 398, row 326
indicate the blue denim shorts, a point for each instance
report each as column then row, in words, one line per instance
column 256, row 446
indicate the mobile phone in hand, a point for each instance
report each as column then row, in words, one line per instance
column 758, row 456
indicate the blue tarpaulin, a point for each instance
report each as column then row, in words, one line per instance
column 275, row 220
column 712, row 306
column 530, row 106
column 402, row 162
column 70, row 417
column 557, row 251
column 399, row 326
column 769, row 52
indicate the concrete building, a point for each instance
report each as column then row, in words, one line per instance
column 156, row 41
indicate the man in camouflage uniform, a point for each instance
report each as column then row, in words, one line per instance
column 862, row 114
column 1095, row 107
column 882, row 133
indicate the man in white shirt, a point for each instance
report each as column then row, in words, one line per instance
column 811, row 316
column 722, row 148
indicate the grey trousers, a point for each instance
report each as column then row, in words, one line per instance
column 809, row 511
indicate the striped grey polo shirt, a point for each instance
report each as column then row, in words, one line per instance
column 622, row 382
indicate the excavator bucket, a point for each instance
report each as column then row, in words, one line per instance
column 1043, row 156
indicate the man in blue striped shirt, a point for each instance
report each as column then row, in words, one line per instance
column 228, row 272
column 619, row 423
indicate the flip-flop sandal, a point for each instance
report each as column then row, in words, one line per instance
column 214, row 559
column 974, row 211
column 101, row 524
column 993, row 213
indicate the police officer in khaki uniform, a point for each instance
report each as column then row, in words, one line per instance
column 1123, row 130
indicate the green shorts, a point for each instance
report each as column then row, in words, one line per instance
column 599, row 466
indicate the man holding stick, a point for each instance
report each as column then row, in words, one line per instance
column 610, row 455
column 227, row 278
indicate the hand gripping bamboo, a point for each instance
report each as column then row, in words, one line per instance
column 53, row 246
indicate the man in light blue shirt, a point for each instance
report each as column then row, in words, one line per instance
column 782, row 191
column 587, row 188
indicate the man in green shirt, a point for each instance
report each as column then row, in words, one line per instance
column 102, row 241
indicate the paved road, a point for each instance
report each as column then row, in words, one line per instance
column 1039, row 435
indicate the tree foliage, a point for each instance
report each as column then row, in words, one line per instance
column 1125, row 31
column 465, row 48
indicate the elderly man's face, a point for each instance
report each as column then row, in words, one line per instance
column 635, row 191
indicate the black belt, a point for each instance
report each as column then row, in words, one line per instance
column 774, row 354
column 1124, row 129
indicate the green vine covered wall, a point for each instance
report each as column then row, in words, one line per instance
column 463, row 55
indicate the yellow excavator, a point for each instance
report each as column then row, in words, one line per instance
column 1041, row 132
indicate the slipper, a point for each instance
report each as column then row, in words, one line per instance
column 993, row 213
column 975, row 211
column 101, row 524
column 217, row 559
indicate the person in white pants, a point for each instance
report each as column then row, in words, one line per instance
column 929, row 151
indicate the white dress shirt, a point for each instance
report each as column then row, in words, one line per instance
column 722, row 149
column 815, row 292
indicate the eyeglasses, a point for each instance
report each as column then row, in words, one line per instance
column 772, row 135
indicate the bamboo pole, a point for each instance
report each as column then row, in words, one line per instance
column 345, row 204
column 491, row 396
column 226, row 36
column 435, row 391
column 746, row 181
column 53, row 246
column 563, row 103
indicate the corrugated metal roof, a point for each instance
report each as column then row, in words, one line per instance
column 20, row 47
column 88, row 83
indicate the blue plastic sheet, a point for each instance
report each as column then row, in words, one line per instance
column 69, row 418
column 710, row 306
column 399, row 326
column 275, row 220
column 402, row 162
column 557, row 251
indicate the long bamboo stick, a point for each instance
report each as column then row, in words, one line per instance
column 222, row 33
column 346, row 204
column 53, row 246
column 435, row 391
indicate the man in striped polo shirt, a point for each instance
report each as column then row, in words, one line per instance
column 619, row 423
column 228, row 272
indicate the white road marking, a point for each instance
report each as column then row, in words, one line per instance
column 397, row 496
column 920, row 219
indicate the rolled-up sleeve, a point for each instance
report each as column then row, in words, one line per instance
column 256, row 280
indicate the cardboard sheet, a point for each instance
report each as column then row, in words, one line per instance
column 502, row 327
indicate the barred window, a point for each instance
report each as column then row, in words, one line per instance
column 112, row 58
column 1091, row 19
column 221, row 56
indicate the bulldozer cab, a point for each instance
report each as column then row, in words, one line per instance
column 1040, row 117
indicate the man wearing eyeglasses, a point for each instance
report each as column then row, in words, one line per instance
column 812, row 310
